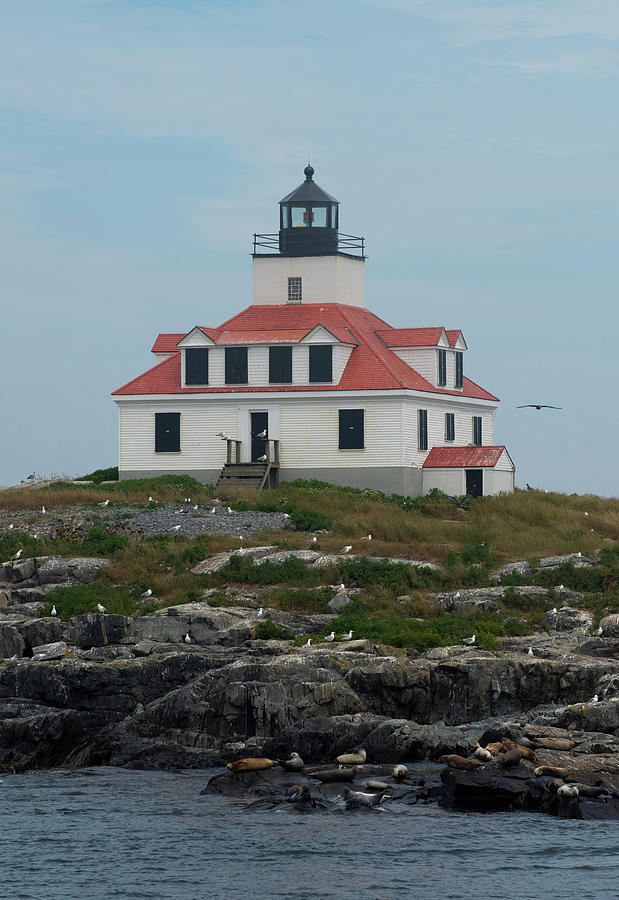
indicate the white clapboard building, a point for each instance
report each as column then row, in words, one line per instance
column 308, row 383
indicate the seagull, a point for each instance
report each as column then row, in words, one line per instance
column 216, row 500
column 313, row 539
column 220, row 434
column 195, row 507
column 150, row 500
column 538, row 406
column 598, row 631
column 329, row 637
column 101, row 608
column 105, row 503
column 230, row 511
column 43, row 510
column 262, row 434
column 594, row 699
column 469, row 640
column 260, row 612
column 347, row 637
column 54, row 611
column 213, row 510
column 346, row 549
column 586, row 513
column 11, row 526
column 286, row 515
column 456, row 595
column 187, row 499
column 262, row 458
column 175, row 528
column 339, row 587
column 553, row 611
column 18, row 554
column 368, row 537
column 187, row 638
column 530, row 651
column 309, row 643
column 147, row 593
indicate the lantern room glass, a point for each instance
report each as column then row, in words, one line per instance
column 323, row 216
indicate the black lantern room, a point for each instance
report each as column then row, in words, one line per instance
column 308, row 220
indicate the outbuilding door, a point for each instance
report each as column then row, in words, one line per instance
column 259, row 423
column 475, row 482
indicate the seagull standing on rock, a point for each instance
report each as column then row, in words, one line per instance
column 54, row 611
column 469, row 640
column 309, row 643
column 147, row 593
column 329, row 637
column 347, row 637
column 175, row 528
column 43, row 510
column 598, row 631
column 18, row 554
column 187, row 638
column 101, row 608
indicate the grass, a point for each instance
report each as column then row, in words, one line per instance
column 82, row 598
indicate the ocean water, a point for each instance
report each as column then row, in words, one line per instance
column 100, row 834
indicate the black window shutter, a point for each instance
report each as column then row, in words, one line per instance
column 458, row 369
column 321, row 363
column 351, row 429
column 280, row 365
column 477, row 431
column 423, row 429
column 442, row 368
column 236, row 365
column 196, row 365
column 450, row 427
column 167, row 432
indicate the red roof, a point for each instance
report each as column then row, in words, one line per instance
column 166, row 343
column 463, row 457
column 411, row 337
column 371, row 366
column 452, row 335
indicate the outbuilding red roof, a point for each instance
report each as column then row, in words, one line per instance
column 410, row 337
column 371, row 365
column 463, row 457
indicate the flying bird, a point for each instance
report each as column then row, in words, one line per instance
column 469, row 640
column 147, row 593
column 538, row 406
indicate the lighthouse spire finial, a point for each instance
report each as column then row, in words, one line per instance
column 308, row 171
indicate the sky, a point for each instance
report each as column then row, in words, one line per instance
column 473, row 144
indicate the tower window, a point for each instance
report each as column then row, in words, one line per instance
column 442, row 368
column 477, row 431
column 236, row 365
column 422, row 422
column 295, row 290
column 321, row 363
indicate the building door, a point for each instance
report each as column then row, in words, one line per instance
column 475, row 482
column 259, row 424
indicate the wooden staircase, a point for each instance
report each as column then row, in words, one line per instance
column 256, row 475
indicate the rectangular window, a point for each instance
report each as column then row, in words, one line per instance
column 477, row 431
column 280, row 365
column 321, row 363
column 167, row 432
column 458, row 369
column 450, row 427
column 351, row 429
column 422, row 421
column 236, row 365
column 295, row 290
column 442, row 368
column 196, row 365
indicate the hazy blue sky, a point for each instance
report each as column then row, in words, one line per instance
column 474, row 144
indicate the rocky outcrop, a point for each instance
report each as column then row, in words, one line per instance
column 54, row 570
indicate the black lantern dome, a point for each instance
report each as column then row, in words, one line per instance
column 308, row 220
column 308, row 225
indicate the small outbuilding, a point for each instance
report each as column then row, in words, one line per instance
column 469, row 470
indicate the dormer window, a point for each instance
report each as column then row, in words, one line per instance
column 320, row 363
column 458, row 381
column 295, row 290
column 236, row 365
column 442, row 368
column 196, row 365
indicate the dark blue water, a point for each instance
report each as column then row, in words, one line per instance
column 109, row 833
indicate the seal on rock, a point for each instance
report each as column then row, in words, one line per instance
column 555, row 743
column 482, row 753
column 511, row 758
column 356, row 758
column 251, row 764
column 359, row 800
column 525, row 752
column 460, row 762
column 343, row 774
column 555, row 771
column 567, row 790
column 294, row 763
column 495, row 747
column 400, row 771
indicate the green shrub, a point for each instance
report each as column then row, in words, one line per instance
column 12, row 541
column 100, row 542
column 99, row 475
column 76, row 599
column 300, row 600
column 243, row 570
column 309, row 520
column 270, row 631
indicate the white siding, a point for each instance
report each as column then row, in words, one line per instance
column 498, row 482
column 504, row 464
column 325, row 279
column 310, row 433
column 450, row 481
column 423, row 361
column 196, row 338
column 410, row 454
column 436, row 408
column 341, row 355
